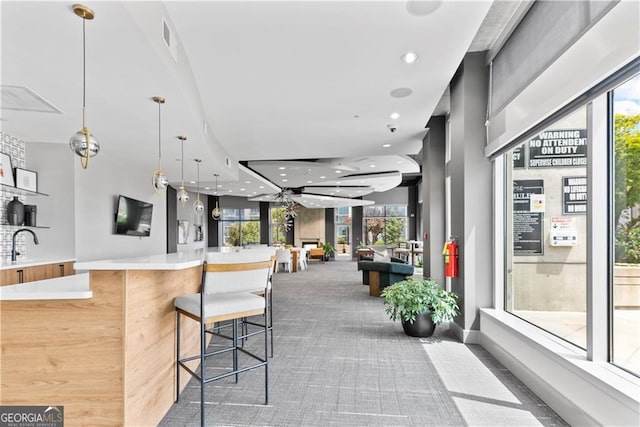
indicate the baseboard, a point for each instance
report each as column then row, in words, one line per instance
column 467, row 336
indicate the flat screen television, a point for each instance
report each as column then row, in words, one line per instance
column 133, row 217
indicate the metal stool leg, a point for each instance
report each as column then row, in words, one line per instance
column 177, row 356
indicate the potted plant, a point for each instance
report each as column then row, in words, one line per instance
column 328, row 250
column 420, row 304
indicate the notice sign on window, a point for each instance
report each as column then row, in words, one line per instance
column 574, row 195
column 527, row 218
column 558, row 148
column 518, row 157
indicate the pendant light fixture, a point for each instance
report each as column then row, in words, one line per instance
column 198, row 206
column 183, row 196
column 82, row 142
column 216, row 213
column 159, row 180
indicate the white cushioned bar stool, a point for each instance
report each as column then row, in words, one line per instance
column 227, row 292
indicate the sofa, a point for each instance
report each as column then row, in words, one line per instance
column 380, row 274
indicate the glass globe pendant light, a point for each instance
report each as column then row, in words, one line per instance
column 183, row 196
column 82, row 142
column 216, row 213
column 159, row 180
column 198, row 206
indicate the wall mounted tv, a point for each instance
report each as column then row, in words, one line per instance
column 133, row 217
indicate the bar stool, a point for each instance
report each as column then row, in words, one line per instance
column 226, row 293
column 269, row 298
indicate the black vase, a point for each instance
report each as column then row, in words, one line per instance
column 422, row 327
column 15, row 212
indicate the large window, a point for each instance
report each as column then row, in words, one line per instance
column 343, row 230
column 384, row 224
column 547, row 235
column 546, row 231
column 240, row 226
column 278, row 225
column 625, row 344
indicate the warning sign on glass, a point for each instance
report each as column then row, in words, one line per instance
column 558, row 148
column 574, row 195
column 528, row 215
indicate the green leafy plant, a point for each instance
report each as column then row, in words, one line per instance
column 408, row 298
column 328, row 248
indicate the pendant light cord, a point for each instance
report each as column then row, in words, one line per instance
column 182, row 172
column 159, row 137
column 84, row 74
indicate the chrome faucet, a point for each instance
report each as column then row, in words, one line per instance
column 14, row 253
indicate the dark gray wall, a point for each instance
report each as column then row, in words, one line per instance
column 172, row 220
column 265, row 225
column 433, row 197
column 212, row 225
column 356, row 228
column 412, row 208
column 329, row 227
column 471, row 190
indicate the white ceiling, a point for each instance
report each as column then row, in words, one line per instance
column 252, row 81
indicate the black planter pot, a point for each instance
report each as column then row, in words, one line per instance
column 422, row 327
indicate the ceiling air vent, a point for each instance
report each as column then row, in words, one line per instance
column 169, row 40
column 20, row 98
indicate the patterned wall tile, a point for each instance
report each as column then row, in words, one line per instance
column 15, row 147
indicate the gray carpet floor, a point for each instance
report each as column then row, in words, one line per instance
column 339, row 361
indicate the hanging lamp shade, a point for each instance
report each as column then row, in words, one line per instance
column 159, row 181
column 83, row 143
column 183, row 196
column 216, row 213
column 198, row 206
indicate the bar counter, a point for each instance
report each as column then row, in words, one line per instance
column 108, row 359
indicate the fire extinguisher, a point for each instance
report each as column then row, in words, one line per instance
column 450, row 252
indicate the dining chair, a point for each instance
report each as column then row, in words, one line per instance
column 302, row 259
column 226, row 293
column 283, row 256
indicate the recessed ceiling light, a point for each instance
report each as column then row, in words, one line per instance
column 394, row 115
column 285, row 180
column 372, row 166
column 322, row 177
column 283, row 174
column 247, row 182
column 242, row 189
column 282, row 168
column 309, row 182
column 410, row 57
column 399, row 162
column 338, row 171
column 219, row 185
column 230, row 191
column 192, row 182
column 401, row 92
column 262, row 186
column 207, row 188
column 386, row 145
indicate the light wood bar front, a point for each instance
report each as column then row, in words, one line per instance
column 109, row 360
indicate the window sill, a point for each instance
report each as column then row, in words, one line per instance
column 560, row 372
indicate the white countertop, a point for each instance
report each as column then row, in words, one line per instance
column 175, row 261
column 75, row 286
column 5, row 265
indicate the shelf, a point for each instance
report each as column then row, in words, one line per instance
column 20, row 191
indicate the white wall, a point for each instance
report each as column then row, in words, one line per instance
column 396, row 196
column 54, row 165
column 186, row 213
column 96, row 191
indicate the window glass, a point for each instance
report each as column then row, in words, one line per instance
column 278, row 231
column 240, row 226
column 546, row 234
column 626, row 223
column 385, row 224
column 343, row 231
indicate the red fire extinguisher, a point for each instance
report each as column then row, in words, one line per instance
column 450, row 252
